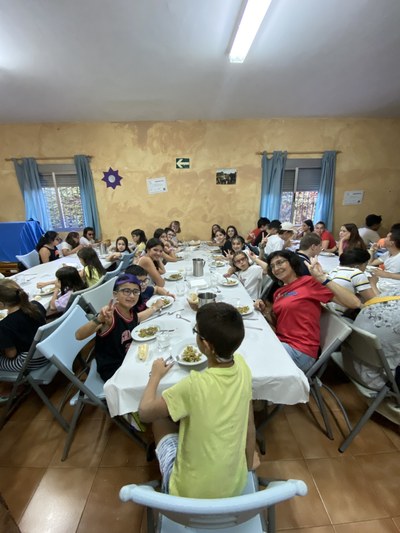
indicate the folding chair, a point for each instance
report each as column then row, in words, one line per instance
column 30, row 259
column 90, row 391
column 113, row 273
column 83, row 291
column 239, row 514
column 366, row 348
column 333, row 331
column 126, row 260
column 37, row 378
column 94, row 299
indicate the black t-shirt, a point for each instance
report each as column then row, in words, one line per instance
column 304, row 259
column 227, row 246
column 112, row 345
column 54, row 254
column 18, row 329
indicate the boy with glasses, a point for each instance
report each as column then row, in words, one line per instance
column 114, row 323
column 203, row 426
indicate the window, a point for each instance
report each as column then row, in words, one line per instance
column 63, row 197
column 300, row 187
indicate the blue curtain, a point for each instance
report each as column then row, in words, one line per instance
column 29, row 183
column 324, row 207
column 271, row 184
column 88, row 196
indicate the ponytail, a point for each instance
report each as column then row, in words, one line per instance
column 11, row 294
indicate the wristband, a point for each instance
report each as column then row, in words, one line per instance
column 328, row 280
column 96, row 320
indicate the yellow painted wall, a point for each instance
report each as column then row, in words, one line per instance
column 369, row 160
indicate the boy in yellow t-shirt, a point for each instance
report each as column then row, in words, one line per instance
column 208, row 454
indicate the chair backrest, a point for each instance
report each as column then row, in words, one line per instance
column 47, row 329
column 30, row 259
column 126, row 261
column 98, row 297
column 333, row 331
column 61, row 347
column 366, row 348
column 76, row 294
column 213, row 514
column 113, row 273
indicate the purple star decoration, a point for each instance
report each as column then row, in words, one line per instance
column 112, row 178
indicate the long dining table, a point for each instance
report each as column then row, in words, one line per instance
column 29, row 278
column 275, row 377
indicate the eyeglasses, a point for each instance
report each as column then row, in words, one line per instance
column 278, row 263
column 145, row 282
column 128, row 292
column 90, row 234
column 197, row 332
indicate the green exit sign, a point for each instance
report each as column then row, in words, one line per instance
column 182, row 162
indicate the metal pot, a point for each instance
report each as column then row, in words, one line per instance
column 206, row 298
column 198, row 267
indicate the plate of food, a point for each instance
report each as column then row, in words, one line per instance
column 220, row 263
column 229, row 282
column 49, row 289
column 173, row 276
column 145, row 332
column 244, row 310
column 327, row 254
column 190, row 356
column 194, row 243
column 166, row 300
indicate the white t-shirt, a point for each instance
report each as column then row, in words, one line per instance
column 251, row 280
column 86, row 242
column 274, row 244
column 64, row 246
column 391, row 262
column 369, row 235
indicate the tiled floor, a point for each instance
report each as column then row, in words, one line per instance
column 354, row 492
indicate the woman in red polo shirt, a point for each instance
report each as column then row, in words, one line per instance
column 296, row 309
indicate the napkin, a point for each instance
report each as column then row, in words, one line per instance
column 198, row 284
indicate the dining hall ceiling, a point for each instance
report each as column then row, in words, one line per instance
column 133, row 60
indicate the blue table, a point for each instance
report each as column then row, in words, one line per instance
column 18, row 238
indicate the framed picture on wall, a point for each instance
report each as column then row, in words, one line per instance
column 226, row 176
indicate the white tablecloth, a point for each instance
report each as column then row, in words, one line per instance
column 275, row 377
column 28, row 279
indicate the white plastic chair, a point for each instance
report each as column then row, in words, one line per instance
column 333, row 331
column 90, row 391
column 113, row 273
column 366, row 348
column 37, row 378
column 96, row 298
column 126, row 260
column 77, row 294
column 30, row 259
column 239, row 514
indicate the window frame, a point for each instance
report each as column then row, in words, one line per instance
column 297, row 165
column 48, row 178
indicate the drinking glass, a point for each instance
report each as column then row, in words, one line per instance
column 180, row 288
column 163, row 341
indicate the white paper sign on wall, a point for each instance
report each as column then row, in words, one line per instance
column 157, row 185
column 353, row 197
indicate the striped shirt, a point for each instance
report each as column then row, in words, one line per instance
column 352, row 279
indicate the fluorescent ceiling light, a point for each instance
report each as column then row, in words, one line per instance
column 248, row 27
